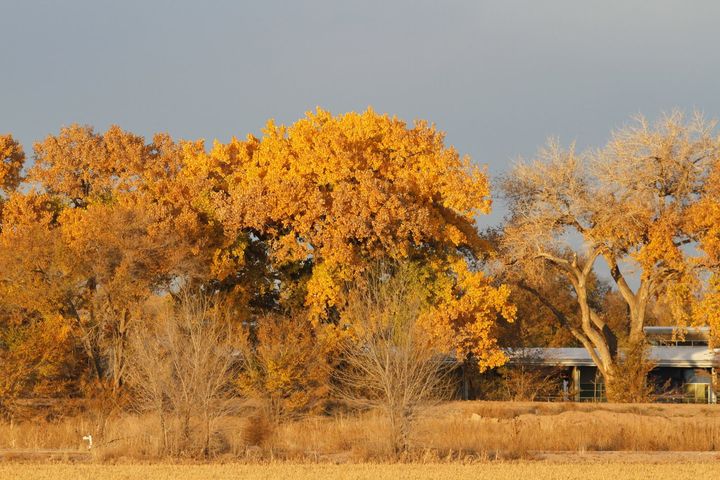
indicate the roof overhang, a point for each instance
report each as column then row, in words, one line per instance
column 672, row 356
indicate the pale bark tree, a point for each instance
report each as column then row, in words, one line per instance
column 626, row 204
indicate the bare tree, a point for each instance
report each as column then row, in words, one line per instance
column 625, row 204
column 183, row 370
column 391, row 362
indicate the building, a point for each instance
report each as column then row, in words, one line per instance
column 686, row 368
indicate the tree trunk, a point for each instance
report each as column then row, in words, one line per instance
column 119, row 350
column 163, row 431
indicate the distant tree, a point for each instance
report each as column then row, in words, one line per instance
column 12, row 160
column 704, row 219
column 105, row 222
column 627, row 204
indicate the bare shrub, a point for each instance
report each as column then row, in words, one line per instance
column 391, row 362
column 182, row 369
column 257, row 431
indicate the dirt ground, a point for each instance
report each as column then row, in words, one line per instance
column 601, row 470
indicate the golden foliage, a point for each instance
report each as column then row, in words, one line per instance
column 285, row 222
column 338, row 192
column 12, row 159
column 36, row 358
column 285, row 366
column 347, row 188
column 704, row 219
column 106, row 222
column 628, row 203
column 465, row 308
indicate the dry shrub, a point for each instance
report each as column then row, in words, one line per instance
column 629, row 384
column 523, row 381
column 258, row 430
column 285, row 367
column 364, row 436
column 102, row 404
column 182, row 370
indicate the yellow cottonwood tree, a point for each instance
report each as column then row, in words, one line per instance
column 12, row 159
column 704, row 218
column 330, row 194
column 110, row 221
column 282, row 223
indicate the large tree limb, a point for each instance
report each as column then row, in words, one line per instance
column 619, row 279
column 565, row 322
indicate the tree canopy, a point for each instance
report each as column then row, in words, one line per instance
column 627, row 204
column 281, row 226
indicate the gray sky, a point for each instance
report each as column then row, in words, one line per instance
column 497, row 76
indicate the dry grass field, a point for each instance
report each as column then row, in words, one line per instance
column 456, row 431
column 477, row 471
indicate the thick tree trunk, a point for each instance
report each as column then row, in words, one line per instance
column 119, row 344
column 593, row 333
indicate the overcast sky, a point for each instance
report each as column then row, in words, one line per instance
column 498, row 76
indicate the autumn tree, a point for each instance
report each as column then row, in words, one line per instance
column 37, row 353
column 282, row 223
column 107, row 221
column 316, row 202
column 541, row 322
column 626, row 204
column 704, row 219
column 286, row 368
column 12, row 159
column 392, row 363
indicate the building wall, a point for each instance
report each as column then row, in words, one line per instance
column 682, row 385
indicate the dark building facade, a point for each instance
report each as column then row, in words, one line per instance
column 686, row 368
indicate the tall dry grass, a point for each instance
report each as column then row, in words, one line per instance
column 457, row 430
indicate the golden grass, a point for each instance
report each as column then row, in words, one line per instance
column 513, row 430
column 488, row 426
column 478, row 471
column 455, row 430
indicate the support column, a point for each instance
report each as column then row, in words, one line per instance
column 576, row 382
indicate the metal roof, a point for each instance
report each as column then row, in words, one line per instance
column 687, row 333
column 672, row 356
